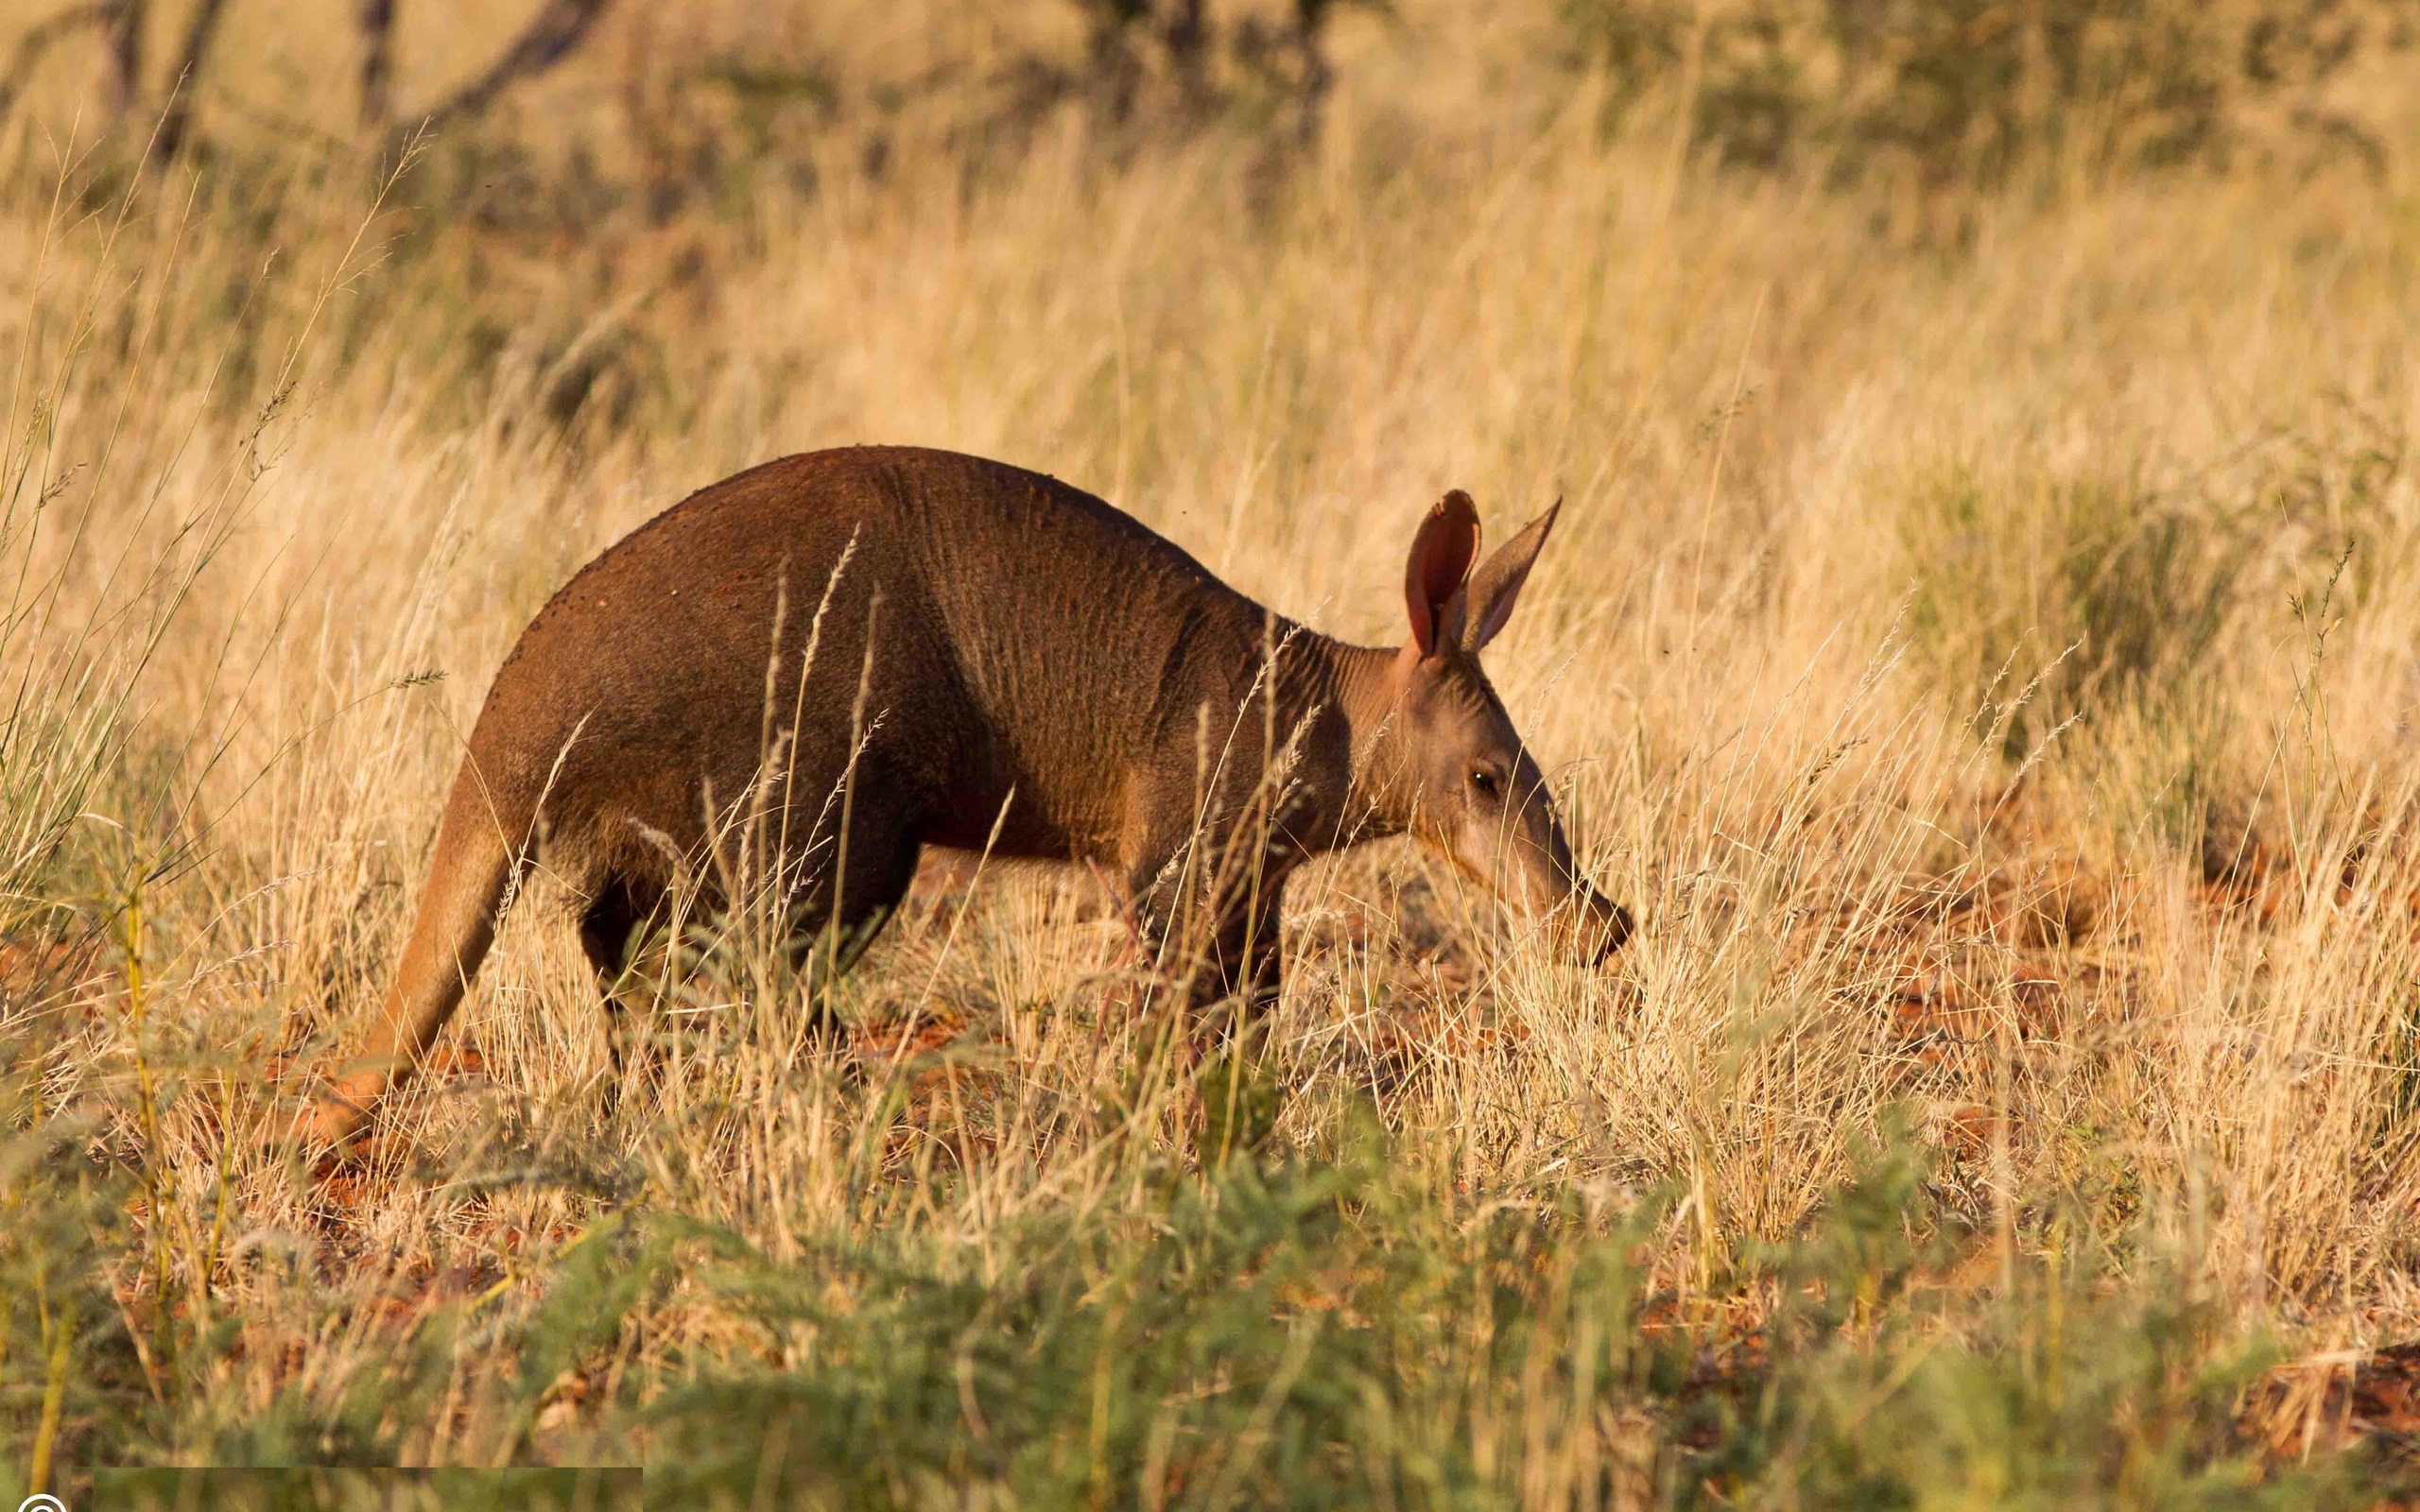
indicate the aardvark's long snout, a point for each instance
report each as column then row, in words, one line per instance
column 1534, row 870
column 1579, row 919
column 1593, row 924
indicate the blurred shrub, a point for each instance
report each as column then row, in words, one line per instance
column 2035, row 598
column 1963, row 91
column 2039, row 597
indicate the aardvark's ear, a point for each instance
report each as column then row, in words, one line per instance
column 1441, row 558
column 1493, row 589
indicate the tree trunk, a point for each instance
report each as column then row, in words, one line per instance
column 125, row 43
column 1310, row 36
column 377, row 62
column 199, row 29
column 1188, row 35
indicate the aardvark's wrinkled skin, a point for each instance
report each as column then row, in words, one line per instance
column 1047, row 675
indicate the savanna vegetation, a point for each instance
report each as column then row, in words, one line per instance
column 1980, row 643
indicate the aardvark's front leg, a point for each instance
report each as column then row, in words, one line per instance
column 1222, row 957
column 1246, row 966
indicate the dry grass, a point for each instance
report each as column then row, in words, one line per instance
column 1951, row 646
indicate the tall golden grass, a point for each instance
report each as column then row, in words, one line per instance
column 1981, row 644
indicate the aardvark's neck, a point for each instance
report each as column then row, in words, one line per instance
column 1360, row 683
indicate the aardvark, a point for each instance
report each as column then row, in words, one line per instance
column 969, row 655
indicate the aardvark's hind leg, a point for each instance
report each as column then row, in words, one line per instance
column 612, row 934
column 879, row 863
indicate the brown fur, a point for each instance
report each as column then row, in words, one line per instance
column 1040, row 662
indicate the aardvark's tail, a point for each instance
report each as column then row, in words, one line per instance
column 480, row 847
